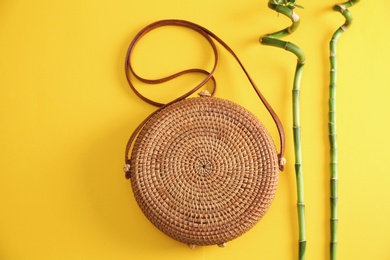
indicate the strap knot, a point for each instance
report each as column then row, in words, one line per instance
column 126, row 169
column 282, row 163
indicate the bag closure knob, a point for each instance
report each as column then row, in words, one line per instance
column 204, row 93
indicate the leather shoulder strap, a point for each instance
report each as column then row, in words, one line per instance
column 209, row 36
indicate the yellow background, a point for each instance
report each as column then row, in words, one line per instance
column 66, row 113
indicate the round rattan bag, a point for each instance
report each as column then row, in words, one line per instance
column 203, row 170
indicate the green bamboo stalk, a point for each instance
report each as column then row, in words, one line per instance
column 286, row 7
column 342, row 8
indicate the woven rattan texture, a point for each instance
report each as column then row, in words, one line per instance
column 204, row 170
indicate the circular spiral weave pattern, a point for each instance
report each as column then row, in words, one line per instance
column 204, row 170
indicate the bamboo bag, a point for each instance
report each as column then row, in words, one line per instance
column 203, row 170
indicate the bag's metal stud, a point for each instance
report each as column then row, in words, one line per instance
column 204, row 93
column 126, row 169
column 283, row 161
column 222, row 245
column 192, row 246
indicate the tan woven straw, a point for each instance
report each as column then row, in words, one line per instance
column 203, row 170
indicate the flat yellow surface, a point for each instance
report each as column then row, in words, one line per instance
column 66, row 113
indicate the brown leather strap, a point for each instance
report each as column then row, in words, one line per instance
column 209, row 36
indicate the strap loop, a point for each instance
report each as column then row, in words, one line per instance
column 209, row 36
column 130, row 71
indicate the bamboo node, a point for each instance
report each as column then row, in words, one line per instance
column 277, row 8
column 286, row 45
column 342, row 8
column 294, row 17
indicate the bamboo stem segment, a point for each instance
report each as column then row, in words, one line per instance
column 286, row 7
column 343, row 9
